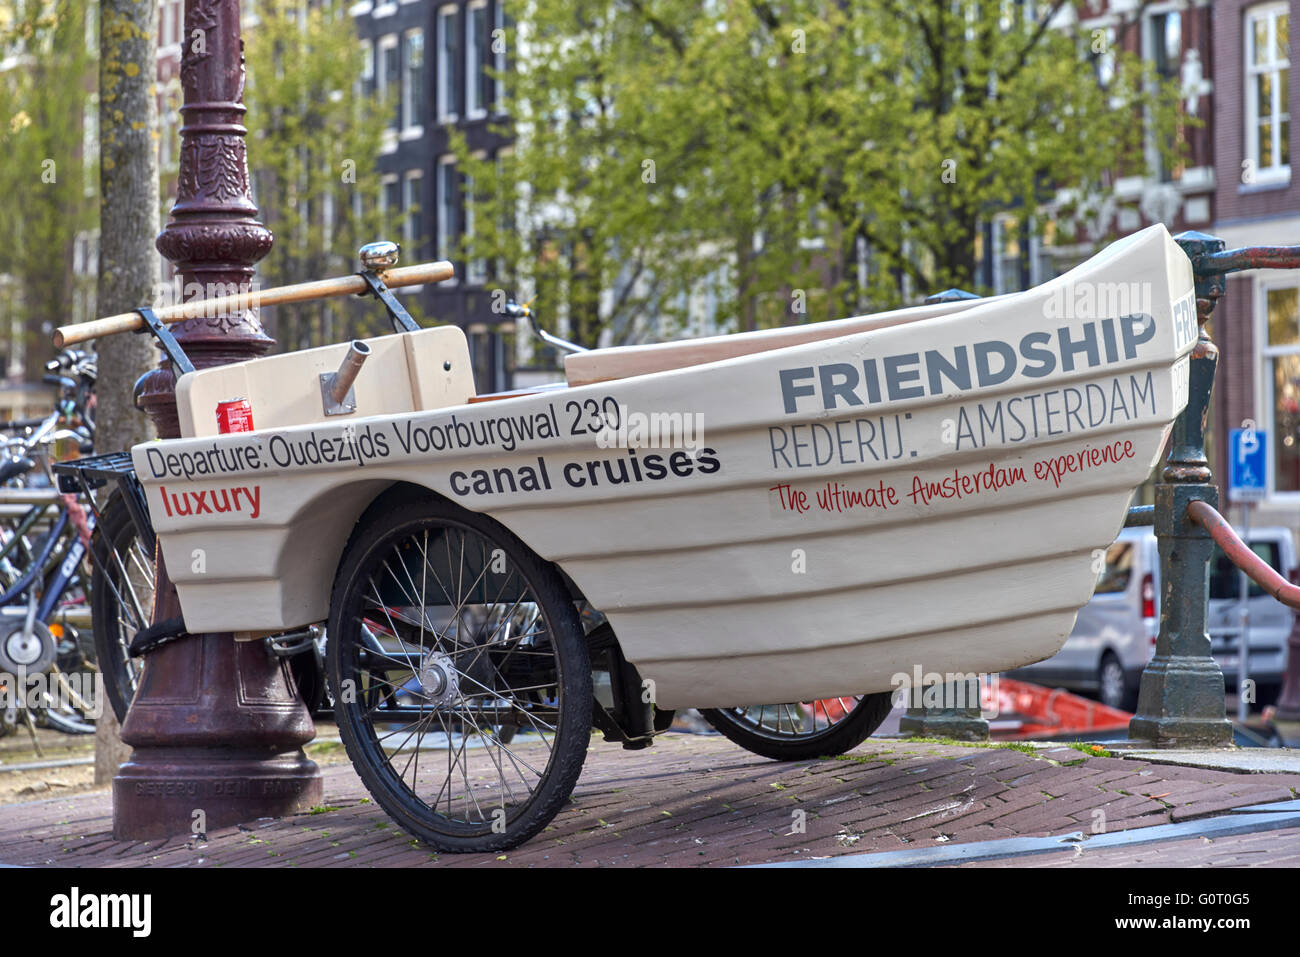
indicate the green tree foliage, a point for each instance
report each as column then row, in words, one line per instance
column 312, row 142
column 746, row 151
column 50, row 181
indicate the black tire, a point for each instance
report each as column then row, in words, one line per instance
column 69, row 720
column 780, row 732
column 74, row 708
column 1113, row 686
column 539, row 671
column 121, row 600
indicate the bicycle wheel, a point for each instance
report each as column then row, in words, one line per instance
column 803, row 730
column 72, row 709
column 121, row 600
column 446, row 634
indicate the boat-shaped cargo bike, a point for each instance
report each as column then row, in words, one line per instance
column 793, row 515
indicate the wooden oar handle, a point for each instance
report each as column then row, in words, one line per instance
column 301, row 292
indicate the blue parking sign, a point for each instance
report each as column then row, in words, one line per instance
column 1247, row 465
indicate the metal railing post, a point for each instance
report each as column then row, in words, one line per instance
column 1181, row 697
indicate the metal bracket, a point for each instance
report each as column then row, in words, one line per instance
column 349, row 403
column 180, row 361
column 402, row 321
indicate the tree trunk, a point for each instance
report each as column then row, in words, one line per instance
column 128, row 262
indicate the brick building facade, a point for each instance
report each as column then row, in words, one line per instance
column 1257, row 324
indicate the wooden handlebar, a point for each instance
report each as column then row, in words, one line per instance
column 301, row 292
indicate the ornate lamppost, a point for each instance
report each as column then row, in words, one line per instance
column 217, row 725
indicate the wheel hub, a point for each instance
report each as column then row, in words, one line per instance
column 32, row 653
column 439, row 682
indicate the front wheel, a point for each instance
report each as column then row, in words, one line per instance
column 460, row 675
column 802, row 730
column 121, row 600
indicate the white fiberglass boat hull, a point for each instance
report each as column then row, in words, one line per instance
column 827, row 515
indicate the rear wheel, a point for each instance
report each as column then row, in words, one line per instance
column 461, row 678
column 803, row 730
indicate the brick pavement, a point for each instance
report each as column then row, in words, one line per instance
column 700, row 800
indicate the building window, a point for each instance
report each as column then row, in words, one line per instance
column 413, row 80
column 475, row 269
column 90, row 145
column 368, row 66
column 1268, row 119
column 1011, row 262
column 448, row 63
column 1280, row 386
column 413, row 220
column 501, row 24
column 387, row 76
column 168, row 27
column 1165, row 46
column 478, row 57
column 92, row 28
column 449, row 205
column 390, row 203
column 1104, row 62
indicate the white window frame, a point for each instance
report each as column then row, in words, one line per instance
column 447, row 111
column 1263, row 359
column 474, row 65
column 1278, row 173
column 411, row 129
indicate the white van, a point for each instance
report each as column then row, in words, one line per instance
column 1115, row 633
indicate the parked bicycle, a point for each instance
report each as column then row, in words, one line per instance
column 47, row 662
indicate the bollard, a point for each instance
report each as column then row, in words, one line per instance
column 1181, row 697
column 957, row 716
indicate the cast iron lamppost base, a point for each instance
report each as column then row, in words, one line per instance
column 1181, row 698
column 217, row 724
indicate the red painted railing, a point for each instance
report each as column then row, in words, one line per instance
column 1241, row 555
